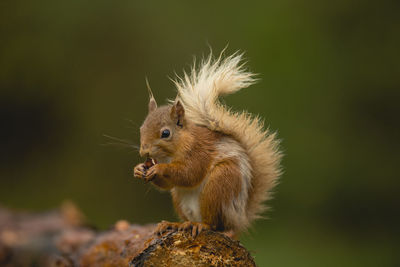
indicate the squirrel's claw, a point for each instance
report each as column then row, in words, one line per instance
column 195, row 228
column 164, row 226
column 141, row 172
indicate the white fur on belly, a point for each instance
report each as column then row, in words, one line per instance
column 189, row 201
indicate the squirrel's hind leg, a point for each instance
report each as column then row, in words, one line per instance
column 223, row 186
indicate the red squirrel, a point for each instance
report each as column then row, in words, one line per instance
column 220, row 166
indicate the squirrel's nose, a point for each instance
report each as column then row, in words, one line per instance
column 144, row 150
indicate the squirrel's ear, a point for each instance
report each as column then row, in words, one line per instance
column 178, row 113
column 152, row 101
column 152, row 104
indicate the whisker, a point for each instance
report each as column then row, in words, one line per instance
column 120, row 142
column 124, row 141
column 133, row 126
column 133, row 123
column 120, row 145
column 148, row 190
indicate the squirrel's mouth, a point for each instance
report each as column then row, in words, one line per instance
column 159, row 155
column 159, row 159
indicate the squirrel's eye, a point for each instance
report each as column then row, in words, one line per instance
column 165, row 133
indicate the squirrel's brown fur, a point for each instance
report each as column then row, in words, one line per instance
column 220, row 166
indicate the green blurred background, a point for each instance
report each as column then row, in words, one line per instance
column 73, row 71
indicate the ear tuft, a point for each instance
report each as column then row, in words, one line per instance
column 152, row 101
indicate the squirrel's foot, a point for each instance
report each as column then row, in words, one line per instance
column 165, row 226
column 195, row 228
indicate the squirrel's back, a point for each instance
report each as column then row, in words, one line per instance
column 199, row 92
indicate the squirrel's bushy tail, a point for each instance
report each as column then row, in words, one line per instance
column 199, row 91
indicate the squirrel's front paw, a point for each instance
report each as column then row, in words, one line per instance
column 140, row 171
column 151, row 173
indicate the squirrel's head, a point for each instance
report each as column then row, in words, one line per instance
column 160, row 132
